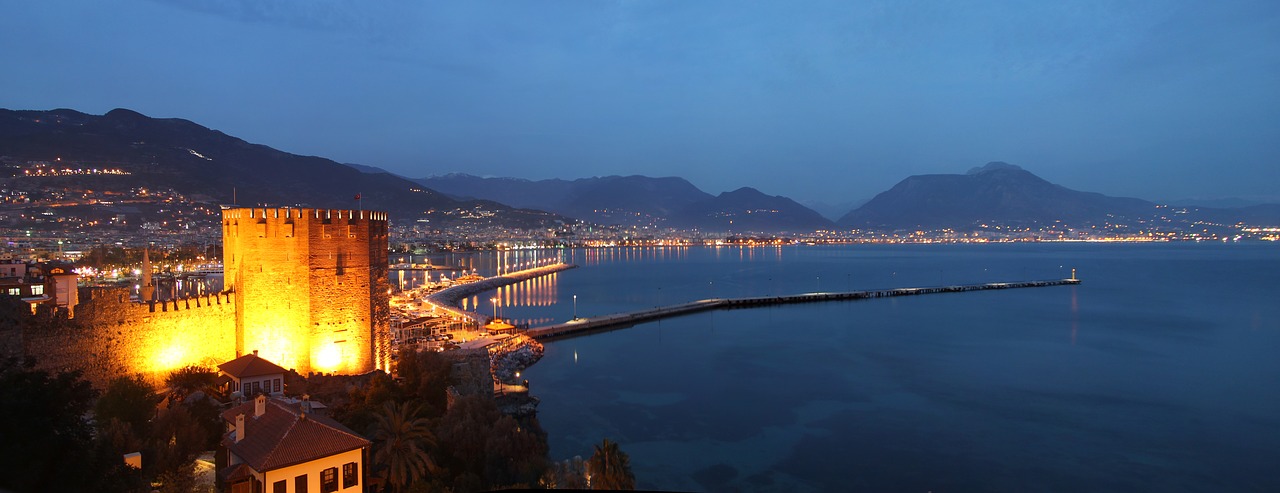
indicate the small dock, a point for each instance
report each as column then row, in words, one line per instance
column 585, row 325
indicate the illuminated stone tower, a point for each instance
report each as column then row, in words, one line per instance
column 311, row 289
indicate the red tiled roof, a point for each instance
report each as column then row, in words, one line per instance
column 250, row 365
column 284, row 436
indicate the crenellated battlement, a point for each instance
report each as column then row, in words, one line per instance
column 93, row 297
column 112, row 335
column 300, row 213
column 114, row 306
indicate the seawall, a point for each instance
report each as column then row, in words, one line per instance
column 586, row 325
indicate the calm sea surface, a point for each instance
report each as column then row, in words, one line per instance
column 1159, row 373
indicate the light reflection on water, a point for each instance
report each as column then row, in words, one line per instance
column 1157, row 373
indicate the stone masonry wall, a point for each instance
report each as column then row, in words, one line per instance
column 111, row 336
column 312, row 285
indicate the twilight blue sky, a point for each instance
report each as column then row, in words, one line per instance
column 816, row 100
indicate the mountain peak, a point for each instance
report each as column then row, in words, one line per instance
column 744, row 192
column 124, row 113
column 994, row 166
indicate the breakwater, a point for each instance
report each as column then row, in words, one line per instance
column 447, row 299
column 584, row 325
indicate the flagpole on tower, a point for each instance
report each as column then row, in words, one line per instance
column 359, row 202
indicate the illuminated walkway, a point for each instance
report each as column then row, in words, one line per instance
column 447, row 299
column 584, row 325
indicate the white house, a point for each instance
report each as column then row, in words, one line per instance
column 274, row 446
column 251, row 375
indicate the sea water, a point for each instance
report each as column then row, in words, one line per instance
column 1158, row 372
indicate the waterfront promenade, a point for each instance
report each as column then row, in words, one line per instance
column 586, row 325
column 447, row 299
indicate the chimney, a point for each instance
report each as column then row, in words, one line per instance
column 255, row 352
column 259, row 405
column 239, row 427
column 305, row 405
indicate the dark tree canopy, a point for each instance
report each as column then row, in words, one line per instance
column 610, row 468
column 47, row 444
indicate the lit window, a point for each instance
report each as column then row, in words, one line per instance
column 15, row 291
column 350, row 475
column 37, row 289
column 329, row 480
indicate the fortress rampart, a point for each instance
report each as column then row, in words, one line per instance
column 112, row 336
column 306, row 288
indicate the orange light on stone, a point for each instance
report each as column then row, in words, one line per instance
column 329, row 358
column 170, row 358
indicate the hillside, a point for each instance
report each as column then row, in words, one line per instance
column 749, row 210
column 641, row 201
column 997, row 192
column 196, row 161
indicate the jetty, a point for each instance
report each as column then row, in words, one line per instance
column 585, row 325
column 447, row 299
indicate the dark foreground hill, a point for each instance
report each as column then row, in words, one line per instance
column 170, row 153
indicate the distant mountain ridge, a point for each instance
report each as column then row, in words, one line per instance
column 207, row 165
column 640, row 200
column 997, row 192
column 182, row 155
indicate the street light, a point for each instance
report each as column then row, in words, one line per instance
column 575, row 307
column 494, row 301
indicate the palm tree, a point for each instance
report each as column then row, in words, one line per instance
column 610, row 468
column 403, row 438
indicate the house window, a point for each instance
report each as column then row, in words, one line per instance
column 280, row 486
column 257, row 387
column 350, row 474
column 329, row 480
column 300, row 484
column 276, row 385
column 37, row 289
column 15, row 291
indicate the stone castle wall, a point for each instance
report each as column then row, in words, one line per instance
column 112, row 336
column 307, row 289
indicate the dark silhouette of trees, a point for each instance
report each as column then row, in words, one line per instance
column 169, row 438
column 488, row 450
column 402, row 440
column 47, row 445
column 424, row 376
column 190, row 379
column 194, row 388
column 131, row 400
column 610, row 468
